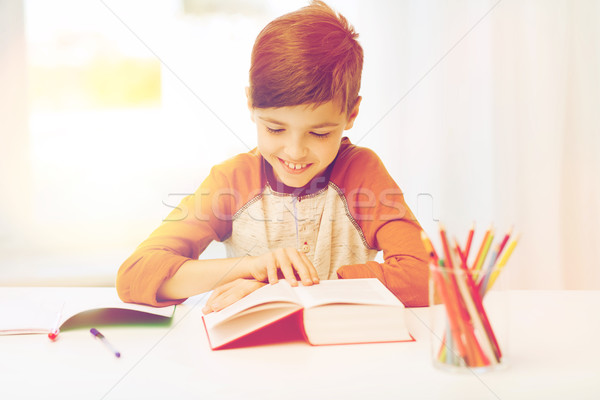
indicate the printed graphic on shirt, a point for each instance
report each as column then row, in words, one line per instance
column 320, row 222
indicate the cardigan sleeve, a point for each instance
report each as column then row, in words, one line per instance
column 387, row 224
column 404, row 270
column 199, row 219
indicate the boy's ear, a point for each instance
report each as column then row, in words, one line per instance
column 353, row 114
column 250, row 108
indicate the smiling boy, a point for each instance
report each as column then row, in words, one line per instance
column 306, row 204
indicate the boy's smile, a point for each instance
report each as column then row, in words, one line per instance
column 294, row 168
column 300, row 142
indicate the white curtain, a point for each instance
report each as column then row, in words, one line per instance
column 483, row 111
column 494, row 114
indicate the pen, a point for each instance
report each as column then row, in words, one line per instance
column 100, row 336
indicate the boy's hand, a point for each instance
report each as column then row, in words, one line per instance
column 289, row 261
column 229, row 293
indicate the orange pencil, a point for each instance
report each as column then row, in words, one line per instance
column 452, row 312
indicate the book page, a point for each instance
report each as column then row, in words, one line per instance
column 279, row 292
column 346, row 291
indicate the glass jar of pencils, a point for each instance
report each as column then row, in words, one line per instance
column 469, row 318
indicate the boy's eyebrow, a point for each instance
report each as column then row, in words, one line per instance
column 321, row 125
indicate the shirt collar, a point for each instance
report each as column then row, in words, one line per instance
column 317, row 184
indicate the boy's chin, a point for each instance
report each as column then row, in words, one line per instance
column 295, row 183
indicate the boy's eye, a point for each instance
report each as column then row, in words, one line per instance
column 320, row 135
column 270, row 130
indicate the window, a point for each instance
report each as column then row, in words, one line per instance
column 129, row 105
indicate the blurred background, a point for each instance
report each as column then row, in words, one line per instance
column 111, row 111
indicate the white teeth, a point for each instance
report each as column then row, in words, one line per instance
column 295, row 166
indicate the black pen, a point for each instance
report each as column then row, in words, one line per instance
column 100, row 336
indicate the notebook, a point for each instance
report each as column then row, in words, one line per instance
column 25, row 310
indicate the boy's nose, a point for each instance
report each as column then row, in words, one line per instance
column 296, row 149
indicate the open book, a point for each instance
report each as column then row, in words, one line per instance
column 332, row 312
column 42, row 310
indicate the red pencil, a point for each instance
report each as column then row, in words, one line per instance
column 469, row 241
column 464, row 320
column 446, row 248
column 475, row 295
column 461, row 255
column 503, row 244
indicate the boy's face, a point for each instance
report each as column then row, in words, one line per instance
column 301, row 141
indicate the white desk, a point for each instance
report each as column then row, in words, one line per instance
column 553, row 350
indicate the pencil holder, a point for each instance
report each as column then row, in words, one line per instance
column 469, row 320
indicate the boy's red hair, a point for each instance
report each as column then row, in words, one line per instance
column 309, row 56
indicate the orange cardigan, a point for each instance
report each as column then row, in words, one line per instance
column 341, row 219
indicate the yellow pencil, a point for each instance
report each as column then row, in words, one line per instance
column 429, row 247
column 502, row 262
column 483, row 254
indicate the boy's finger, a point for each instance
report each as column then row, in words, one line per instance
column 225, row 299
column 288, row 273
column 272, row 270
column 214, row 294
column 218, row 291
column 231, row 296
column 302, row 267
column 285, row 265
column 314, row 275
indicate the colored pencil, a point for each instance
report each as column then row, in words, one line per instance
column 481, row 349
column 483, row 251
column 478, row 301
column 464, row 321
column 509, row 250
column 503, row 260
column 469, row 241
column 484, row 275
column 483, row 242
column 429, row 248
column 451, row 311
column 461, row 254
column 468, row 339
column 503, row 244
column 445, row 247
